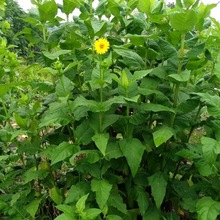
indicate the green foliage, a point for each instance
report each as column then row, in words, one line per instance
column 131, row 133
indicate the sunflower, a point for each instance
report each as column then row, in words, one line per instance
column 101, row 46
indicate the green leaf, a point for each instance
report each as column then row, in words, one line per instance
column 69, row 210
column 146, row 6
column 207, row 209
column 22, row 122
column 183, row 21
column 116, row 201
column 212, row 102
column 133, row 151
column 65, row 216
column 130, row 58
column 152, row 213
column 150, row 107
column 142, row 199
column 162, row 135
column 158, row 186
column 69, row 6
column 55, row 55
column 101, row 141
column 32, row 207
column 81, row 204
column 181, row 77
column 102, row 190
column 64, row 87
column 92, row 213
column 77, row 191
column 47, row 11
column 31, row 174
column 55, row 195
column 113, row 217
column 113, row 151
column 61, row 152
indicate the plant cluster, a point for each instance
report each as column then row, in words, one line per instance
column 126, row 123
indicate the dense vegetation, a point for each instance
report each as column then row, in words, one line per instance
column 113, row 115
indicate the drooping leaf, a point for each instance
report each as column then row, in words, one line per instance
column 142, row 200
column 56, row 195
column 133, row 151
column 101, row 141
column 158, row 185
column 102, row 190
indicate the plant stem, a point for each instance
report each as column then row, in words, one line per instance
column 101, row 97
column 179, row 70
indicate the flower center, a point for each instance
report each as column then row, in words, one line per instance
column 101, row 46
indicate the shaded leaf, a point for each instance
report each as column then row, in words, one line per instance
column 133, row 151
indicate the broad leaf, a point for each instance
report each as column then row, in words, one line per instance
column 181, row 77
column 162, row 135
column 56, row 195
column 32, row 207
column 183, row 21
column 81, row 204
column 55, row 55
column 64, row 87
column 47, row 11
column 102, row 190
column 207, row 209
column 133, row 151
column 101, row 141
column 158, row 186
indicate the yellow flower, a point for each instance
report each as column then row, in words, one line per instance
column 101, row 46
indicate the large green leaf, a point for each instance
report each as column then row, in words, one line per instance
column 151, row 107
column 183, row 21
column 142, row 199
column 101, row 141
column 102, row 190
column 130, row 58
column 146, row 6
column 181, row 77
column 55, row 55
column 60, row 152
column 56, row 195
column 207, row 209
column 162, row 135
column 92, row 213
column 77, row 191
column 33, row 206
column 133, row 151
column 69, row 6
column 64, row 87
column 47, row 11
column 158, row 185
column 116, row 201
